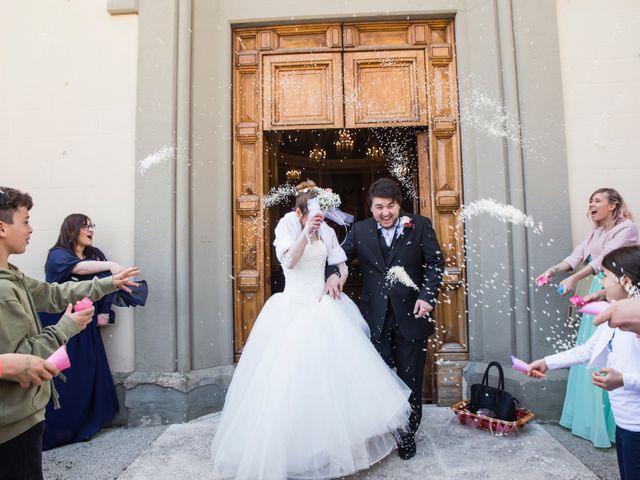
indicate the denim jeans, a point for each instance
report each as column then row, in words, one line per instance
column 628, row 450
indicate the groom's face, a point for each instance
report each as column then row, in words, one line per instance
column 385, row 210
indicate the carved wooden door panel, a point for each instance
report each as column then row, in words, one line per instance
column 264, row 66
column 248, row 247
column 302, row 91
column 440, row 173
column 385, row 88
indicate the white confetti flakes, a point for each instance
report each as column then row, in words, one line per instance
column 503, row 212
column 278, row 195
column 165, row 153
column 400, row 275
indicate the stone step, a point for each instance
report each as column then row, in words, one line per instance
column 446, row 450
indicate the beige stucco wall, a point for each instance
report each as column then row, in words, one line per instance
column 600, row 60
column 67, row 116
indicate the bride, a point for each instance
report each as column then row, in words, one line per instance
column 310, row 398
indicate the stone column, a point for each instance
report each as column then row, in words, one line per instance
column 508, row 315
column 164, row 387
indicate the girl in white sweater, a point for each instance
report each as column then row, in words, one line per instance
column 615, row 354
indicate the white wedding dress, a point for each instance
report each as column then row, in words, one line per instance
column 310, row 398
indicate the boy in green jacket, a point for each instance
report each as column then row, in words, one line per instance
column 22, row 409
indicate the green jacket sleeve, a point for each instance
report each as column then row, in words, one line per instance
column 54, row 297
column 18, row 334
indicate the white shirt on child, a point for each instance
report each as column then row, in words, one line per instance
column 624, row 356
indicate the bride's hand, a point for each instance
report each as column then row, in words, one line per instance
column 313, row 224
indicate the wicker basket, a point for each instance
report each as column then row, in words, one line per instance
column 493, row 425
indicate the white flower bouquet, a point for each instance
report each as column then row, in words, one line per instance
column 327, row 199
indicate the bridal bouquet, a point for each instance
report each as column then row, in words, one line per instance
column 327, row 203
column 327, row 199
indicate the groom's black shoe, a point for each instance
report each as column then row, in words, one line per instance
column 407, row 448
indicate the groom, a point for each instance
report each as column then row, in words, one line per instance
column 398, row 315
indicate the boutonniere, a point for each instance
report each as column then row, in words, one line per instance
column 405, row 221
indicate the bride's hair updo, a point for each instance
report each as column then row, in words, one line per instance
column 305, row 192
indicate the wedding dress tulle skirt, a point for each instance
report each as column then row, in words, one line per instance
column 310, row 398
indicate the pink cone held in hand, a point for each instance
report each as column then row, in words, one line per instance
column 577, row 301
column 541, row 281
column 523, row 367
column 60, row 358
column 519, row 365
column 594, row 308
column 82, row 305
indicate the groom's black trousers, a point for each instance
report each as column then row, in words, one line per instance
column 407, row 357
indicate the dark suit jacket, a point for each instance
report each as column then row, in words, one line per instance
column 418, row 252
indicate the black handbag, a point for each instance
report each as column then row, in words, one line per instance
column 491, row 401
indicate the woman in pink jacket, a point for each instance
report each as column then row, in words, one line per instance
column 587, row 411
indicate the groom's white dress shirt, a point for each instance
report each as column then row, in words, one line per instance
column 389, row 233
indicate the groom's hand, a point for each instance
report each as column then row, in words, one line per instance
column 422, row 309
column 333, row 286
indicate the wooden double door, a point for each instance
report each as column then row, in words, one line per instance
column 352, row 76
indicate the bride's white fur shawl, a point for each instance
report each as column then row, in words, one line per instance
column 289, row 228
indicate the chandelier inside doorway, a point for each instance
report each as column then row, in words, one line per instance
column 317, row 153
column 344, row 143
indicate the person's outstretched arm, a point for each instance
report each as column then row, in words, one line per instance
column 89, row 267
column 53, row 297
column 18, row 332
column 574, row 356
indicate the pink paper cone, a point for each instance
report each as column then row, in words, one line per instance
column 594, row 308
column 577, row 301
column 541, row 281
column 523, row 367
column 82, row 305
column 60, row 358
column 519, row 365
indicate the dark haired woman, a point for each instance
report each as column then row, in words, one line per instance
column 310, row 398
column 586, row 410
column 88, row 397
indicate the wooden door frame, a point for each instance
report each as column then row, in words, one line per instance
column 440, row 166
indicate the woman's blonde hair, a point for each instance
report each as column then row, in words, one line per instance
column 305, row 192
column 620, row 212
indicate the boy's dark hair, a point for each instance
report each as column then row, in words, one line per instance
column 385, row 188
column 10, row 200
column 624, row 261
column 69, row 231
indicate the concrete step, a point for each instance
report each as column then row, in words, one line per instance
column 446, row 450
